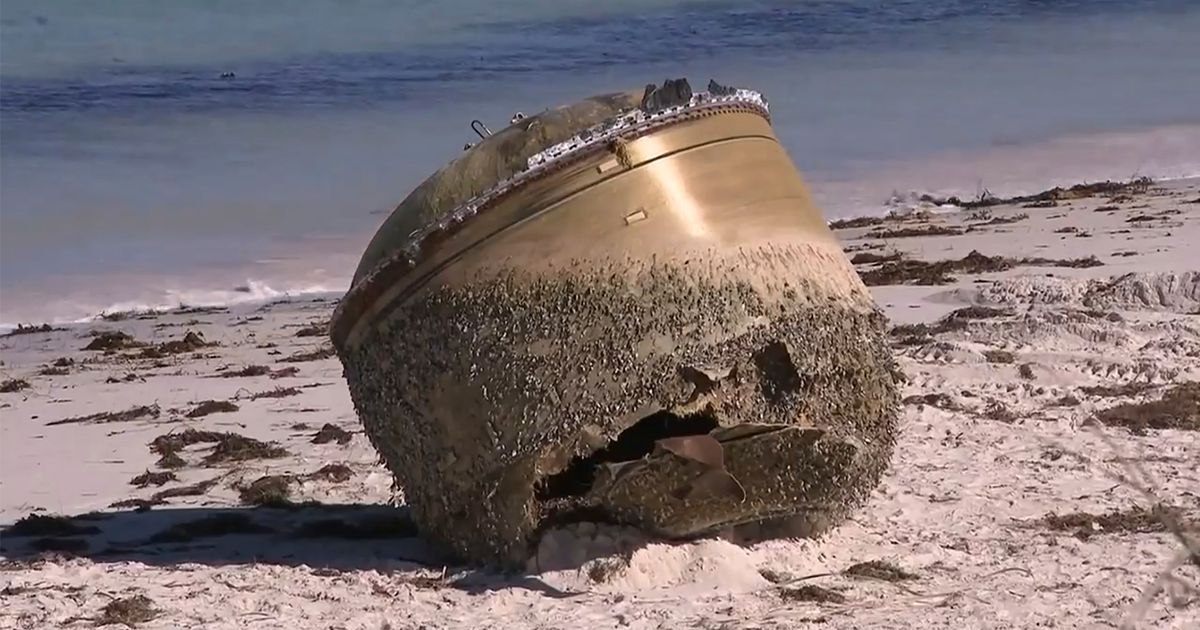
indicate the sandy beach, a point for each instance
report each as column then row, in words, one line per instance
column 205, row 468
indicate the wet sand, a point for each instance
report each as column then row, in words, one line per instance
column 1012, row 499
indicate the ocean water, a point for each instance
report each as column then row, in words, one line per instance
column 133, row 173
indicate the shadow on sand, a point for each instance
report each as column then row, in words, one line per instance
column 327, row 538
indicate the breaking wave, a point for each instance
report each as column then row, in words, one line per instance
column 248, row 293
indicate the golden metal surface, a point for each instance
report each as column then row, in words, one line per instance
column 720, row 181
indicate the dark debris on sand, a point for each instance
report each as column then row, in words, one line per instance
column 331, row 433
column 191, row 342
column 268, row 491
column 1083, row 525
column 313, row 330
column 13, row 385
column 1017, row 218
column 999, row 356
column 133, row 414
column 922, row 230
column 1179, row 408
column 1078, row 191
column 917, row 334
column 936, row 400
column 278, row 392
column 868, row 258
column 812, row 593
column 160, row 497
column 336, row 473
column 112, row 340
column 319, row 354
column 208, row 407
column 879, row 570
column 28, row 329
column 128, row 611
column 153, row 479
column 857, row 222
column 923, row 273
column 1117, row 391
column 247, row 372
column 230, row 447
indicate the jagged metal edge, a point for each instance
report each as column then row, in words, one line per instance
column 602, row 133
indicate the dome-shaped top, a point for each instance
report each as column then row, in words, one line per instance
column 493, row 160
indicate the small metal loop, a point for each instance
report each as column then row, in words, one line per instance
column 481, row 129
column 516, row 118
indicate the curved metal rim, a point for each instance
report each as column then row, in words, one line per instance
column 396, row 266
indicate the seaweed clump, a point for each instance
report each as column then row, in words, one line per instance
column 1179, row 408
column 940, row 272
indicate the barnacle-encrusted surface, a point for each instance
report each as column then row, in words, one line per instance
column 479, row 395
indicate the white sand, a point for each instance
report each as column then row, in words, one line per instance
column 959, row 509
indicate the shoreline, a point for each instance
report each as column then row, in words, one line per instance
column 1033, row 385
column 261, row 291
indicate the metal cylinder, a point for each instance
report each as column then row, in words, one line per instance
column 608, row 313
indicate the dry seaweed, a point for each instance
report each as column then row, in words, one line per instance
column 1000, row 221
column 999, row 356
column 133, row 414
column 111, row 340
column 208, row 407
column 923, row 230
column 48, row 525
column 330, row 433
column 336, row 473
column 879, row 570
column 278, row 392
column 312, row 330
column 246, row 372
column 602, row 570
column 285, row 372
column 939, row 272
column 1179, row 408
column 225, row 524
column 319, row 354
column 229, row 446
column 1078, row 191
column 856, row 222
column 1066, row 400
column 1025, row 371
column 170, row 460
column 236, row 448
column 866, row 258
column 1116, row 391
column 812, row 593
column 13, row 385
column 128, row 611
column 193, row 490
column 268, row 491
column 998, row 411
column 50, row 370
column 1083, row 525
column 152, row 479
column 29, row 329
column 190, row 343
column 937, row 400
